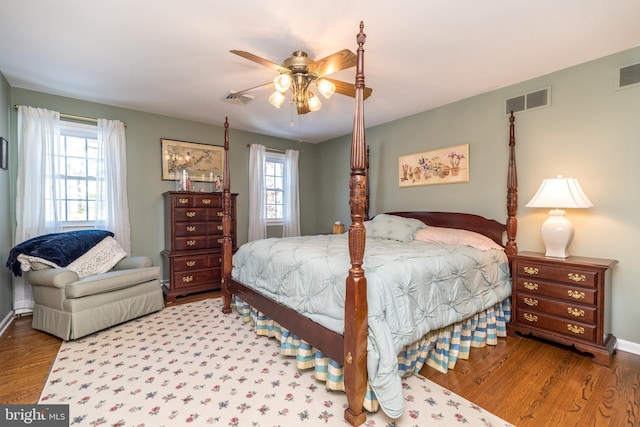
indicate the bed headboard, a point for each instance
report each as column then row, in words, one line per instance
column 479, row 224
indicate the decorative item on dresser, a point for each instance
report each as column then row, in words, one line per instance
column 192, row 259
column 564, row 300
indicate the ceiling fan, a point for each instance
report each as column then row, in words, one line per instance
column 299, row 71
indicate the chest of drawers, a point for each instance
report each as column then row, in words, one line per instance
column 192, row 259
column 564, row 300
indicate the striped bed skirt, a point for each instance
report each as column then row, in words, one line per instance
column 439, row 349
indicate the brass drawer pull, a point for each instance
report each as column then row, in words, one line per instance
column 187, row 279
column 220, row 214
column 190, row 214
column 530, row 270
column 577, row 277
column 576, row 312
column 575, row 329
column 206, row 201
column 530, row 302
column 219, row 227
column 530, row 317
column 530, row 286
column 191, row 228
column 191, row 242
column 219, row 259
column 190, row 263
column 576, row 294
column 183, row 201
column 221, row 240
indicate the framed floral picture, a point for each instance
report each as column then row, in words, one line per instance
column 442, row 166
column 201, row 162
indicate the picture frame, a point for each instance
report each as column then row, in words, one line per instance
column 202, row 162
column 4, row 153
column 446, row 165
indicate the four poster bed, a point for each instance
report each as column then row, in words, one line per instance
column 363, row 336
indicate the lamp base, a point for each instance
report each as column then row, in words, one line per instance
column 557, row 233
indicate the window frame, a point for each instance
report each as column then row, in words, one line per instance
column 280, row 159
column 76, row 130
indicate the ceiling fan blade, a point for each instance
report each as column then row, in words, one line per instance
column 257, row 59
column 333, row 63
column 349, row 89
column 241, row 92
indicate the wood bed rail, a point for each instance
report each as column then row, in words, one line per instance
column 356, row 309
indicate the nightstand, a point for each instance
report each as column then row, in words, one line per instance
column 564, row 300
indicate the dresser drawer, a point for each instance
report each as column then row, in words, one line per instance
column 576, row 330
column 562, row 274
column 190, row 243
column 188, row 279
column 565, row 293
column 195, row 262
column 186, row 229
column 577, row 312
column 197, row 200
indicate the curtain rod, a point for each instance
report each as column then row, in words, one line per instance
column 275, row 150
column 75, row 117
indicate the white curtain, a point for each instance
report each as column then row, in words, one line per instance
column 257, row 196
column 38, row 133
column 291, row 208
column 111, row 192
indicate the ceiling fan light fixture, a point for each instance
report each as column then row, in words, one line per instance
column 276, row 99
column 313, row 102
column 282, row 82
column 325, row 87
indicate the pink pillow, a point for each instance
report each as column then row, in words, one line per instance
column 455, row 236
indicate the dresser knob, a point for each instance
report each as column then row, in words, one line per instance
column 577, row 277
column 576, row 312
column 530, row 270
column 530, row 317
column 220, row 240
column 187, row 279
column 220, row 214
column 191, row 228
column 206, row 201
column 575, row 329
column 530, row 302
column 576, row 294
column 219, row 227
column 190, row 263
column 190, row 214
column 191, row 242
column 183, row 201
column 530, row 286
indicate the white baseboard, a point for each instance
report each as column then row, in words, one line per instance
column 4, row 324
column 628, row 346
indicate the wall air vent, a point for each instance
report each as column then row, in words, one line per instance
column 239, row 99
column 528, row 101
column 629, row 76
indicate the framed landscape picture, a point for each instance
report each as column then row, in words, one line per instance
column 442, row 166
column 202, row 162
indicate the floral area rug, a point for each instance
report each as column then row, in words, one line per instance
column 191, row 365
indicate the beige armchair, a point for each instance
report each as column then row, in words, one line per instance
column 69, row 307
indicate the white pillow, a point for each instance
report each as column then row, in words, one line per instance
column 455, row 236
column 394, row 227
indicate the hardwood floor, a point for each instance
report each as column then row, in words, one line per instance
column 525, row 381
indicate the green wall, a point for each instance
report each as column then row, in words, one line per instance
column 6, row 304
column 591, row 131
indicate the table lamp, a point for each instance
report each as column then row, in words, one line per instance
column 558, row 193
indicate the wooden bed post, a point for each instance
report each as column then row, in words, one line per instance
column 512, row 193
column 356, row 308
column 226, row 223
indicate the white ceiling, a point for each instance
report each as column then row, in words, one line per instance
column 172, row 58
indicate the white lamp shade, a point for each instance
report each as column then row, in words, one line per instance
column 560, row 192
column 557, row 230
column 277, row 99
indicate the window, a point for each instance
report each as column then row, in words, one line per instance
column 274, row 183
column 76, row 164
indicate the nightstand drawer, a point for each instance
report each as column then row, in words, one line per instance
column 565, row 293
column 563, row 274
column 577, row 312
column 575, row 330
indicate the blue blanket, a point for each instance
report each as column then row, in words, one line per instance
column 59, row 248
